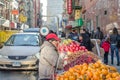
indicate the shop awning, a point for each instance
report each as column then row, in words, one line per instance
column 6, row 23
column 2, row 3
column 68, row 27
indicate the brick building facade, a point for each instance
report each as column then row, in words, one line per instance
column 100, row 13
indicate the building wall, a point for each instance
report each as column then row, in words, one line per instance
column 36, row 11
column 100, row 13
column 54, row 7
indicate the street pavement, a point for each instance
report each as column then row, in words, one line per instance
column 18, row 75
column 115, row 63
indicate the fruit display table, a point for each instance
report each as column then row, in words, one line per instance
column 71, row 54
column 80, row 64
column 77, row 63
column 92, row 71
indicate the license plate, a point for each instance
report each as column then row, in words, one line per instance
column 16, row 64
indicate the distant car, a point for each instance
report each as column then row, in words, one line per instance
column 20, row 52
column 32, row 30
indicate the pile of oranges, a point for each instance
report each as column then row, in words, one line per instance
column 92, row 71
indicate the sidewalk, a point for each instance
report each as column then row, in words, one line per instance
column 115, row 62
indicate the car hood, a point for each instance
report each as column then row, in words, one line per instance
column 19, row 50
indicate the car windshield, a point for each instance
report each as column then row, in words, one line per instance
column 23, row 40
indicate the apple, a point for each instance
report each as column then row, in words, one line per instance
column 69, row 53
column 77, row 48
column 83, row 47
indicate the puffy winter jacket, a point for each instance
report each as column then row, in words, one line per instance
column 47, row 61
column 106, row 46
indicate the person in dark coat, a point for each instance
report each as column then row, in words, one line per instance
column 114, row 48
column 84, row 40
column 86, row 31
column 73, row 35
column 63, row 34
column 98, row 34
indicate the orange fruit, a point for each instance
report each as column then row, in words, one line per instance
column 71, row 70
column 95, row 77
column 97, row 65
column 112, row 68
column 115, row 74
column 89, row 74
column 83, row 71
column 108, row 76
column 72, row 78
column 104, row 71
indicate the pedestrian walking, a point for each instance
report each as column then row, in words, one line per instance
column 48, row 57
column 113, row 42
column 106, row 47
column 98, row 34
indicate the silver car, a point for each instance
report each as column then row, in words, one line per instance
column 20, row 52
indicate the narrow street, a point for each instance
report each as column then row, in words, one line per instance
column 18, row 75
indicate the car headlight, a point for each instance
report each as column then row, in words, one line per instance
column 1, row 56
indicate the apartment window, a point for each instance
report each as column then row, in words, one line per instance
column 105, row 12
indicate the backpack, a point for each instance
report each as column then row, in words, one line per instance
column 118, row 41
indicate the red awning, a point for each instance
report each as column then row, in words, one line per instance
column 69, row 27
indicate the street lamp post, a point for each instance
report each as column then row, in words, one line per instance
column 57, row 22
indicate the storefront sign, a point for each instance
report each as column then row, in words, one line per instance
column 69, row 6
column 77, row 14
column 15, row 12
column 22, row 18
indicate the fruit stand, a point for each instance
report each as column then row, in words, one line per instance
column 77, row 63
